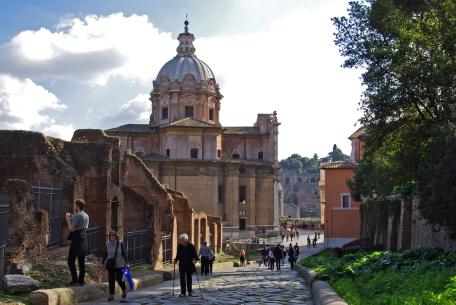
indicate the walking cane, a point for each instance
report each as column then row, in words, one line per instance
column 174, row 276
column 199, row 285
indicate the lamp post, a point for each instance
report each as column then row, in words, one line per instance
column 374, row 194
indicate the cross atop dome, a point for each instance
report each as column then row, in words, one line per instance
column 186, row 39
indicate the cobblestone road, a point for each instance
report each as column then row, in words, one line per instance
column 247, row 285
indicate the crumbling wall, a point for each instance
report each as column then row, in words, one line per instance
column 426, row 235
column 30, row 156
column 137, row 177
column 28, row 231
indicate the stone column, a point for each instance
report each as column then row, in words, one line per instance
column 232, row 196
column 251, row 199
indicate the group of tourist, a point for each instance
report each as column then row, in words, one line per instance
column 207, row 259
column 313, row 242
column 290, row 235
column 274, row 257
column 115, row 258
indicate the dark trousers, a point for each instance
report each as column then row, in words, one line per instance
column 113, row 276
column 292, row 263
column 72, row 266
column 211, row 263
column 204, row 265
column 278, row 264
column 185, row 278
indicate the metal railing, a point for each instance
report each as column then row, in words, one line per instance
column 137, row 244
column 166, row 249
column 4, row 220
column 93, row 240
column 49, row 197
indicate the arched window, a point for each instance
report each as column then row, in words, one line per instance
column 194, row 153
column 219, row 153
column 260, row 155
column 168, row 152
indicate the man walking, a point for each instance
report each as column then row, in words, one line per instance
column 77, row 223
column 278, row 256
column 211, row 260
column 205, row 254
column 296, row 248
column 187, row 257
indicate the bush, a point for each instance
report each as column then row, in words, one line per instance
column 425, row 276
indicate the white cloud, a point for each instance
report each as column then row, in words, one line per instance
column 91, row 50
column 135, row 110
column 26, row 105
column 292, row 67
column 59, row 131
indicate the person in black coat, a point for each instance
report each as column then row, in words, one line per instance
column 187, row 258
column 278, row 256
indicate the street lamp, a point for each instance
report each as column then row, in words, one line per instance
column 374, row 194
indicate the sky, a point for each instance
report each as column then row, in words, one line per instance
column 69, row 64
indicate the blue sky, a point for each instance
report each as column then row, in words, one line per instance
column 90, row 64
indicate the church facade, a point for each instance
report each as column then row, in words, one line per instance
column 231, row 172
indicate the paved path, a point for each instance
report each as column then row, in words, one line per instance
column 247, row 285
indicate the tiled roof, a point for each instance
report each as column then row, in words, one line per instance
column 133, row 128
column 358, row 133
column 241, row 130
column 191, row 122
column 338, row 164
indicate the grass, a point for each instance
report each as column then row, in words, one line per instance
column 14, row 299
column 413, row 277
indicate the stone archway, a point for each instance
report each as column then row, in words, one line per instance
column 196, row 234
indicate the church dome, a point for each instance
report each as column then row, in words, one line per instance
column 180, row 66
column 185, row 62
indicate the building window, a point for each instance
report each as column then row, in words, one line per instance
column 345, row 200
column 194, row 153
column 221, row 193
column 219, row 153
column 236, row 156
column 164, row 113
column 260, row 155
column 189, row 111
column 168, row 152
column 242, row 193
column 299, row 180
column 211, row 114
column 241, row 170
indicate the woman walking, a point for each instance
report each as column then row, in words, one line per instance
column 291, row 256
column 242, row 257
column 114, row 259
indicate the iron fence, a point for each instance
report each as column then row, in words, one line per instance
column 166, row 249
column 4, row 220
column 93, row 240
column 49, row 197
column 137, row 244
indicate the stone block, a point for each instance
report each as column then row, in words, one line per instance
column 57, row 296
column 306, row 273
column 323, row 294
column 17, row 283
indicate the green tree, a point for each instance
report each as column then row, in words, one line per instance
column 336, row 154
column 407, row 50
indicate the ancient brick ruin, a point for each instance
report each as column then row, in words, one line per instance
column 120, row 192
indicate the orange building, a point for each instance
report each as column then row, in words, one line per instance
column 340, row 212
